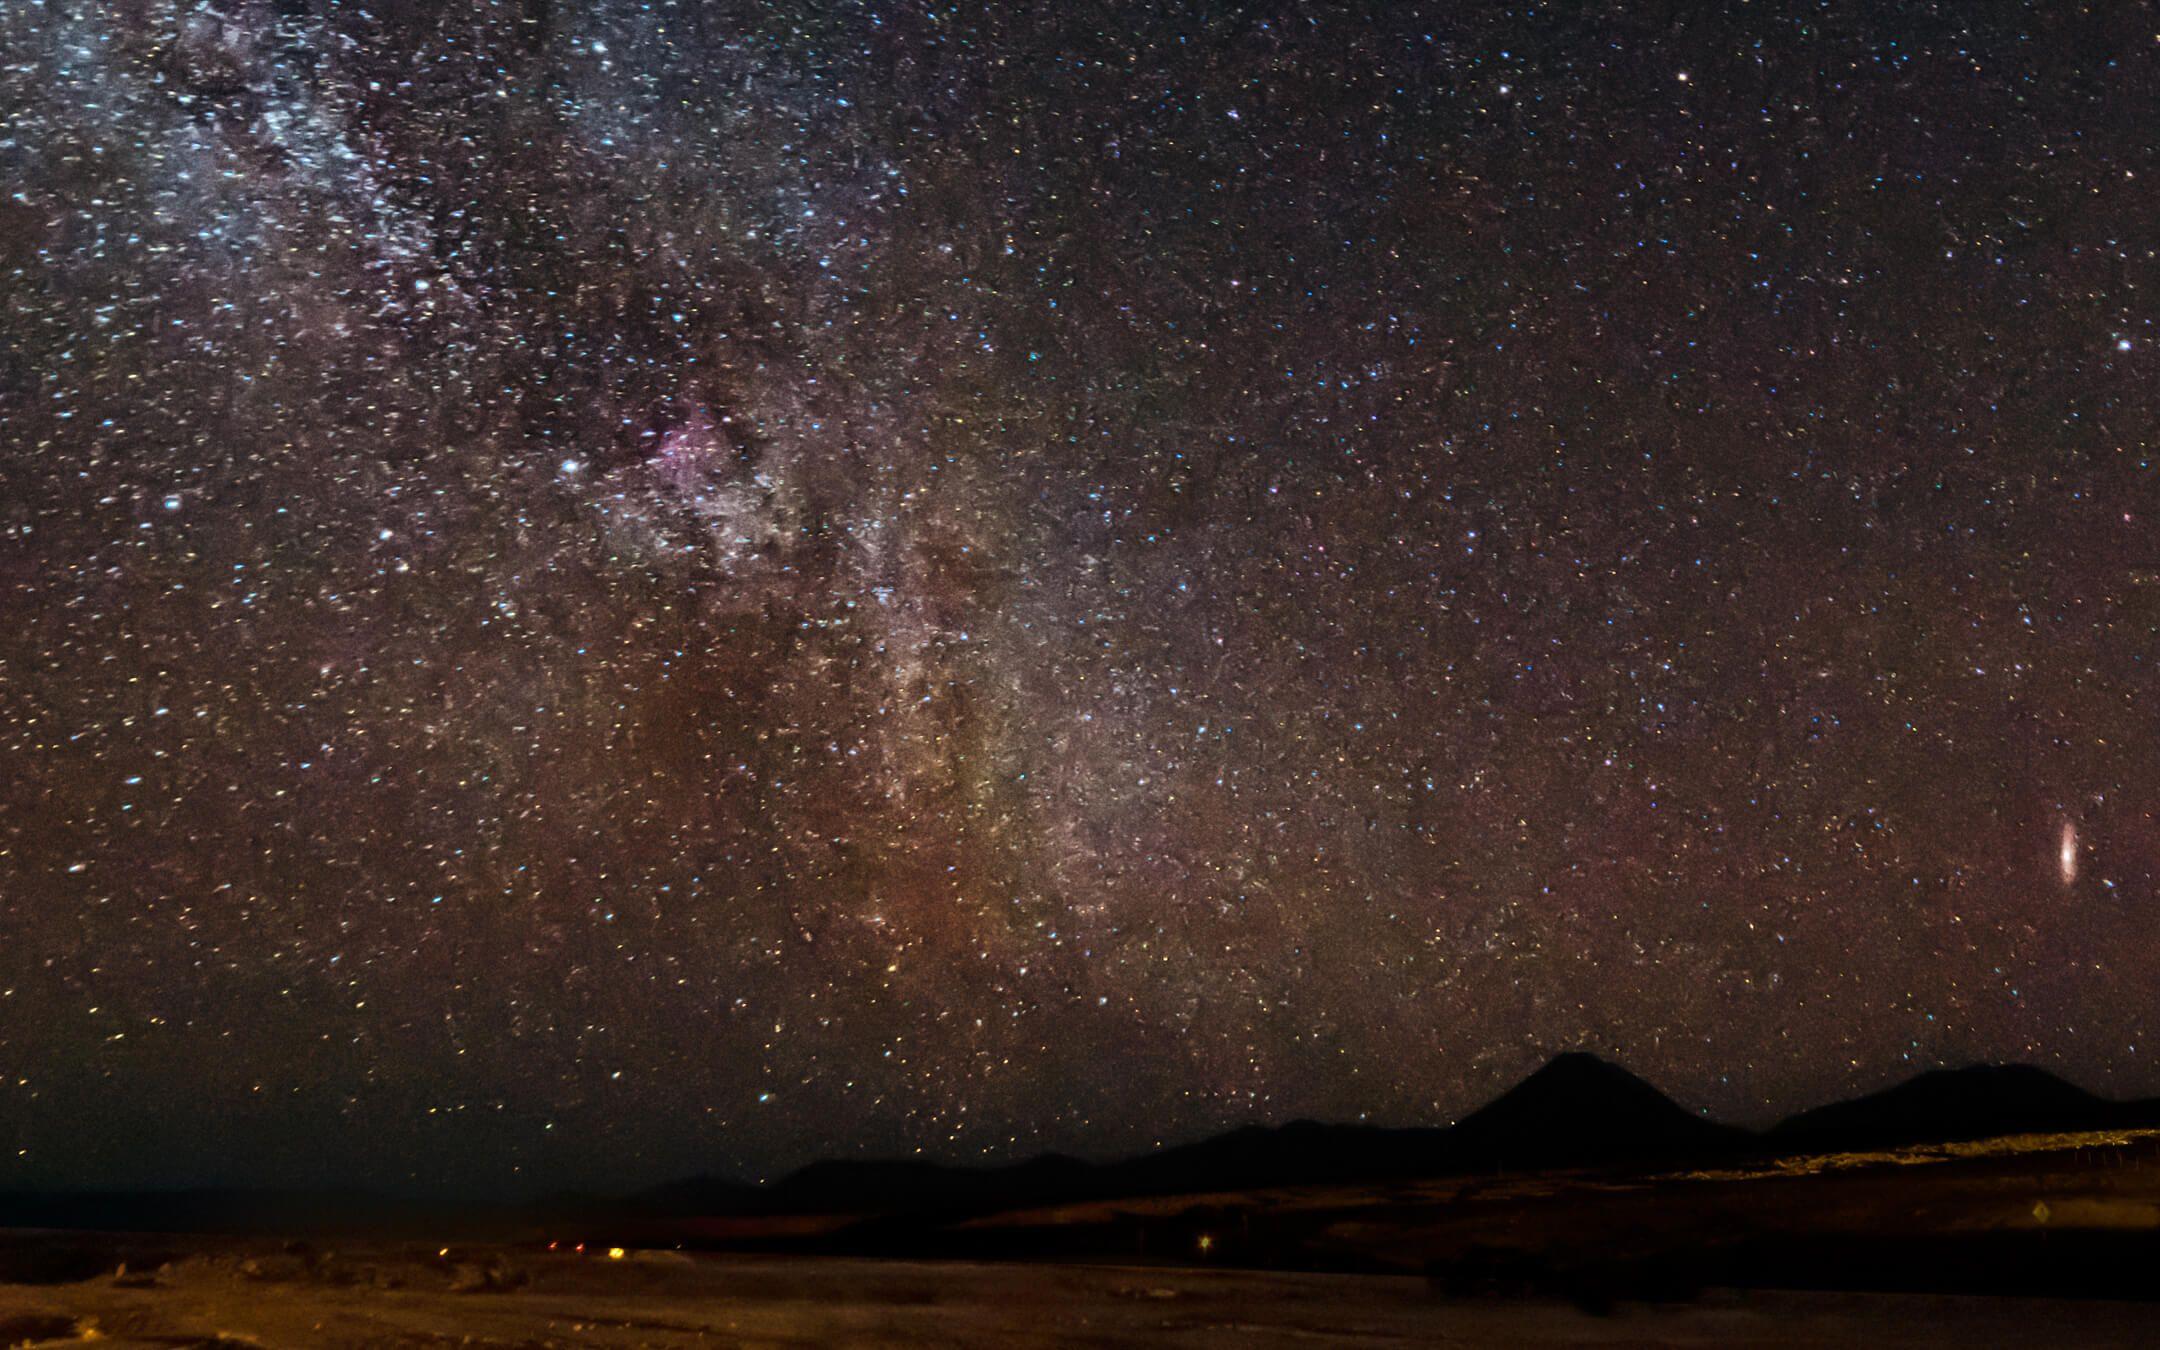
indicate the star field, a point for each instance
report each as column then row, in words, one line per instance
column 601, row 592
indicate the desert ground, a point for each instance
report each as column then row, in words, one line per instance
column 228, row 1294
column 2029, row 1240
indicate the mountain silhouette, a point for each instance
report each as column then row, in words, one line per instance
column 847, row 1185
column 1955, row 1104
column 918, row 1187
column 1301, row 1153
column 1580, row 1110
column 1576, row 1111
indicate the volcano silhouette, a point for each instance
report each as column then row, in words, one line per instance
column 1580, row 1110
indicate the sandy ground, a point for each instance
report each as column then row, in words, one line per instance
column 384, row 1297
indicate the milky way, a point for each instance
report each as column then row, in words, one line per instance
column 599, row 592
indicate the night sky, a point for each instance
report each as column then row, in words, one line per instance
column 601, row 592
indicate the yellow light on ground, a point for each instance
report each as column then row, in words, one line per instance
column 616, row 1253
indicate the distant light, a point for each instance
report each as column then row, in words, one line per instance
column 1207, row 1242
column 2066, row 854
column 443, row 1252
column 1683, row 77
column 2122, row 344
column 616, row 1253
column 172, row 503
column 570, row 466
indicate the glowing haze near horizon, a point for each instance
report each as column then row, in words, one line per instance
column 597, row 592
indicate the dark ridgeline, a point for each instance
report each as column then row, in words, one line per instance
column 1946, row 1105
column 220, row 1210
column 1576, row 1112
column 882, row 1185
